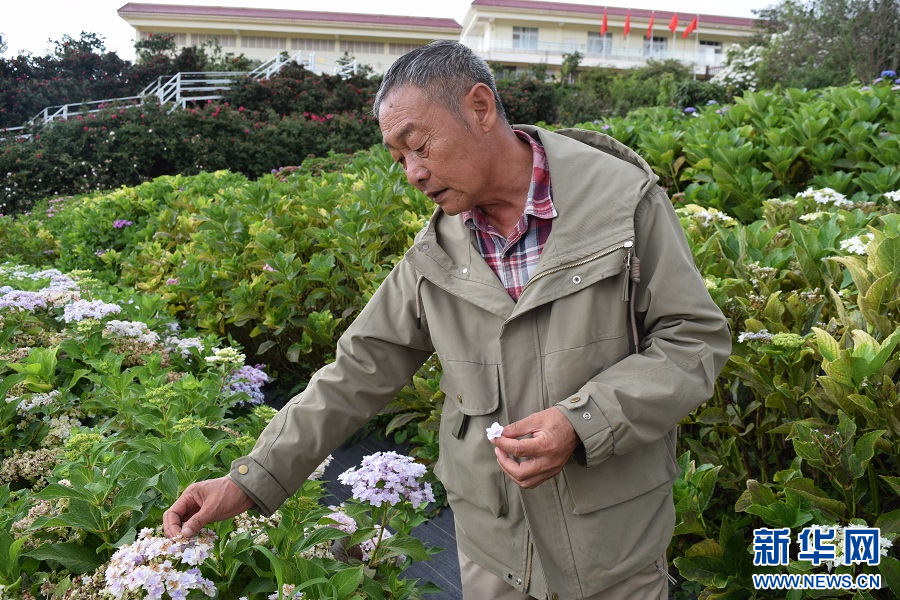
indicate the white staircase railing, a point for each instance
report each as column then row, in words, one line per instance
column 181, row 88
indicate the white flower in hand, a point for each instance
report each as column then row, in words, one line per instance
column 494, row 431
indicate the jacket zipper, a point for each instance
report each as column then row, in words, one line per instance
column 627, row 244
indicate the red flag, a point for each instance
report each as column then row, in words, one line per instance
column 690, row 28
column 627, row 22
column 673, row 24
column 605, row 26
column 650, row 28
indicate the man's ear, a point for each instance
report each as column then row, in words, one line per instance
column 480, row 104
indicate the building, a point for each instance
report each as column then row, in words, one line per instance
column 518, row 34
column 514, row 35
column 260, row 34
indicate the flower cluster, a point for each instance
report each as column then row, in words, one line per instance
column 342, row 520
column 388, row 477
column 131, row 329
column 762, row 335
column 29, row 465
column 151, row 563
column 704, row 216
column 256, row 525
column 287, row 592
column 20, row 301
column 857, row 244
column 320, row 470
column 183, row 345
column 226, row 356
column 84, row 309
column 122, row 223
column 827, row 196
column 250, row 381
column 884, row 544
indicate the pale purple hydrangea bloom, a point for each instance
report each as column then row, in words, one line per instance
column 288, row 593
column 343, row 521
column 89, row 309
column 762, row 335
column 172, row 281
column 368, row 547
column 131, row 329
column 320, row 470
column 494, row 431
column 151, row 563
column 182, row 346
column 388, row 477
column 122, row 223
column 249, row 380
column 19, row 300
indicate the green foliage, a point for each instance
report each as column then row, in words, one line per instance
column 97, row 445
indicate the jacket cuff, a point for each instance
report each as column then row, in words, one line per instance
column 259, row 484
column 592, row 428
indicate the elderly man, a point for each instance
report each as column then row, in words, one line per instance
column 527, row 284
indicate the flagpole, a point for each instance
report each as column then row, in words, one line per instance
column 697, row 44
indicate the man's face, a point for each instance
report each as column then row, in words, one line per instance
column 441, row 156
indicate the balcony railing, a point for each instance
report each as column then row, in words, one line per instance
column 552, row 52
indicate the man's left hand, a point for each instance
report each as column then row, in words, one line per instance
column 543, row 455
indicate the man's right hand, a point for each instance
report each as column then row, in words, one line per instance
column 202, row 503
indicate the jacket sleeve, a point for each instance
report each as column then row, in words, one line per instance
column 685, row 343
column 375, row 358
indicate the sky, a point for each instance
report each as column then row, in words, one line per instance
column 28, row 25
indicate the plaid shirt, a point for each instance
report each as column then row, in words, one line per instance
column 515, row 259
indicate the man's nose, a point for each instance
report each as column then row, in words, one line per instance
column 416, row 172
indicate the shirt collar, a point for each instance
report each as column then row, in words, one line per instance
column 539, row 202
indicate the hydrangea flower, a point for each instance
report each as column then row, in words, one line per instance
column 826, row 196
column 494, row 431
column 762, row 335
column 131, row 329
column 122, row 223
column 857, row 244
column 889, row 74
column 895, row 196
column 151, row 565
column 342, row 520
column 20, row 301
column 388, row 478
column 183, row 345
column 787, row 340
column 690, row 110
column 249, row 380
column 226, row 356
column 94, row 309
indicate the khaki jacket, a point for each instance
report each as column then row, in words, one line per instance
column 566, row 343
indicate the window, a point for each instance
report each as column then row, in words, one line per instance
column 271, row 43
column 599, row 44
column 362, row 47
column 180, row 39
column 525, row 38
column 225, row 41
column 711, row 47
column 655, row 47
column 710, row 52
column 403, row 48
column 312, row 45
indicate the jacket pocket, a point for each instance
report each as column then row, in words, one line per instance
column 467, row 466
column 620, row 477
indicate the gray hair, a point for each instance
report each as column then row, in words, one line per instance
column 444, row 70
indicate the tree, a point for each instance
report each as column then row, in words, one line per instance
column 569, row 67
column 817, row 43
column 3, row 44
